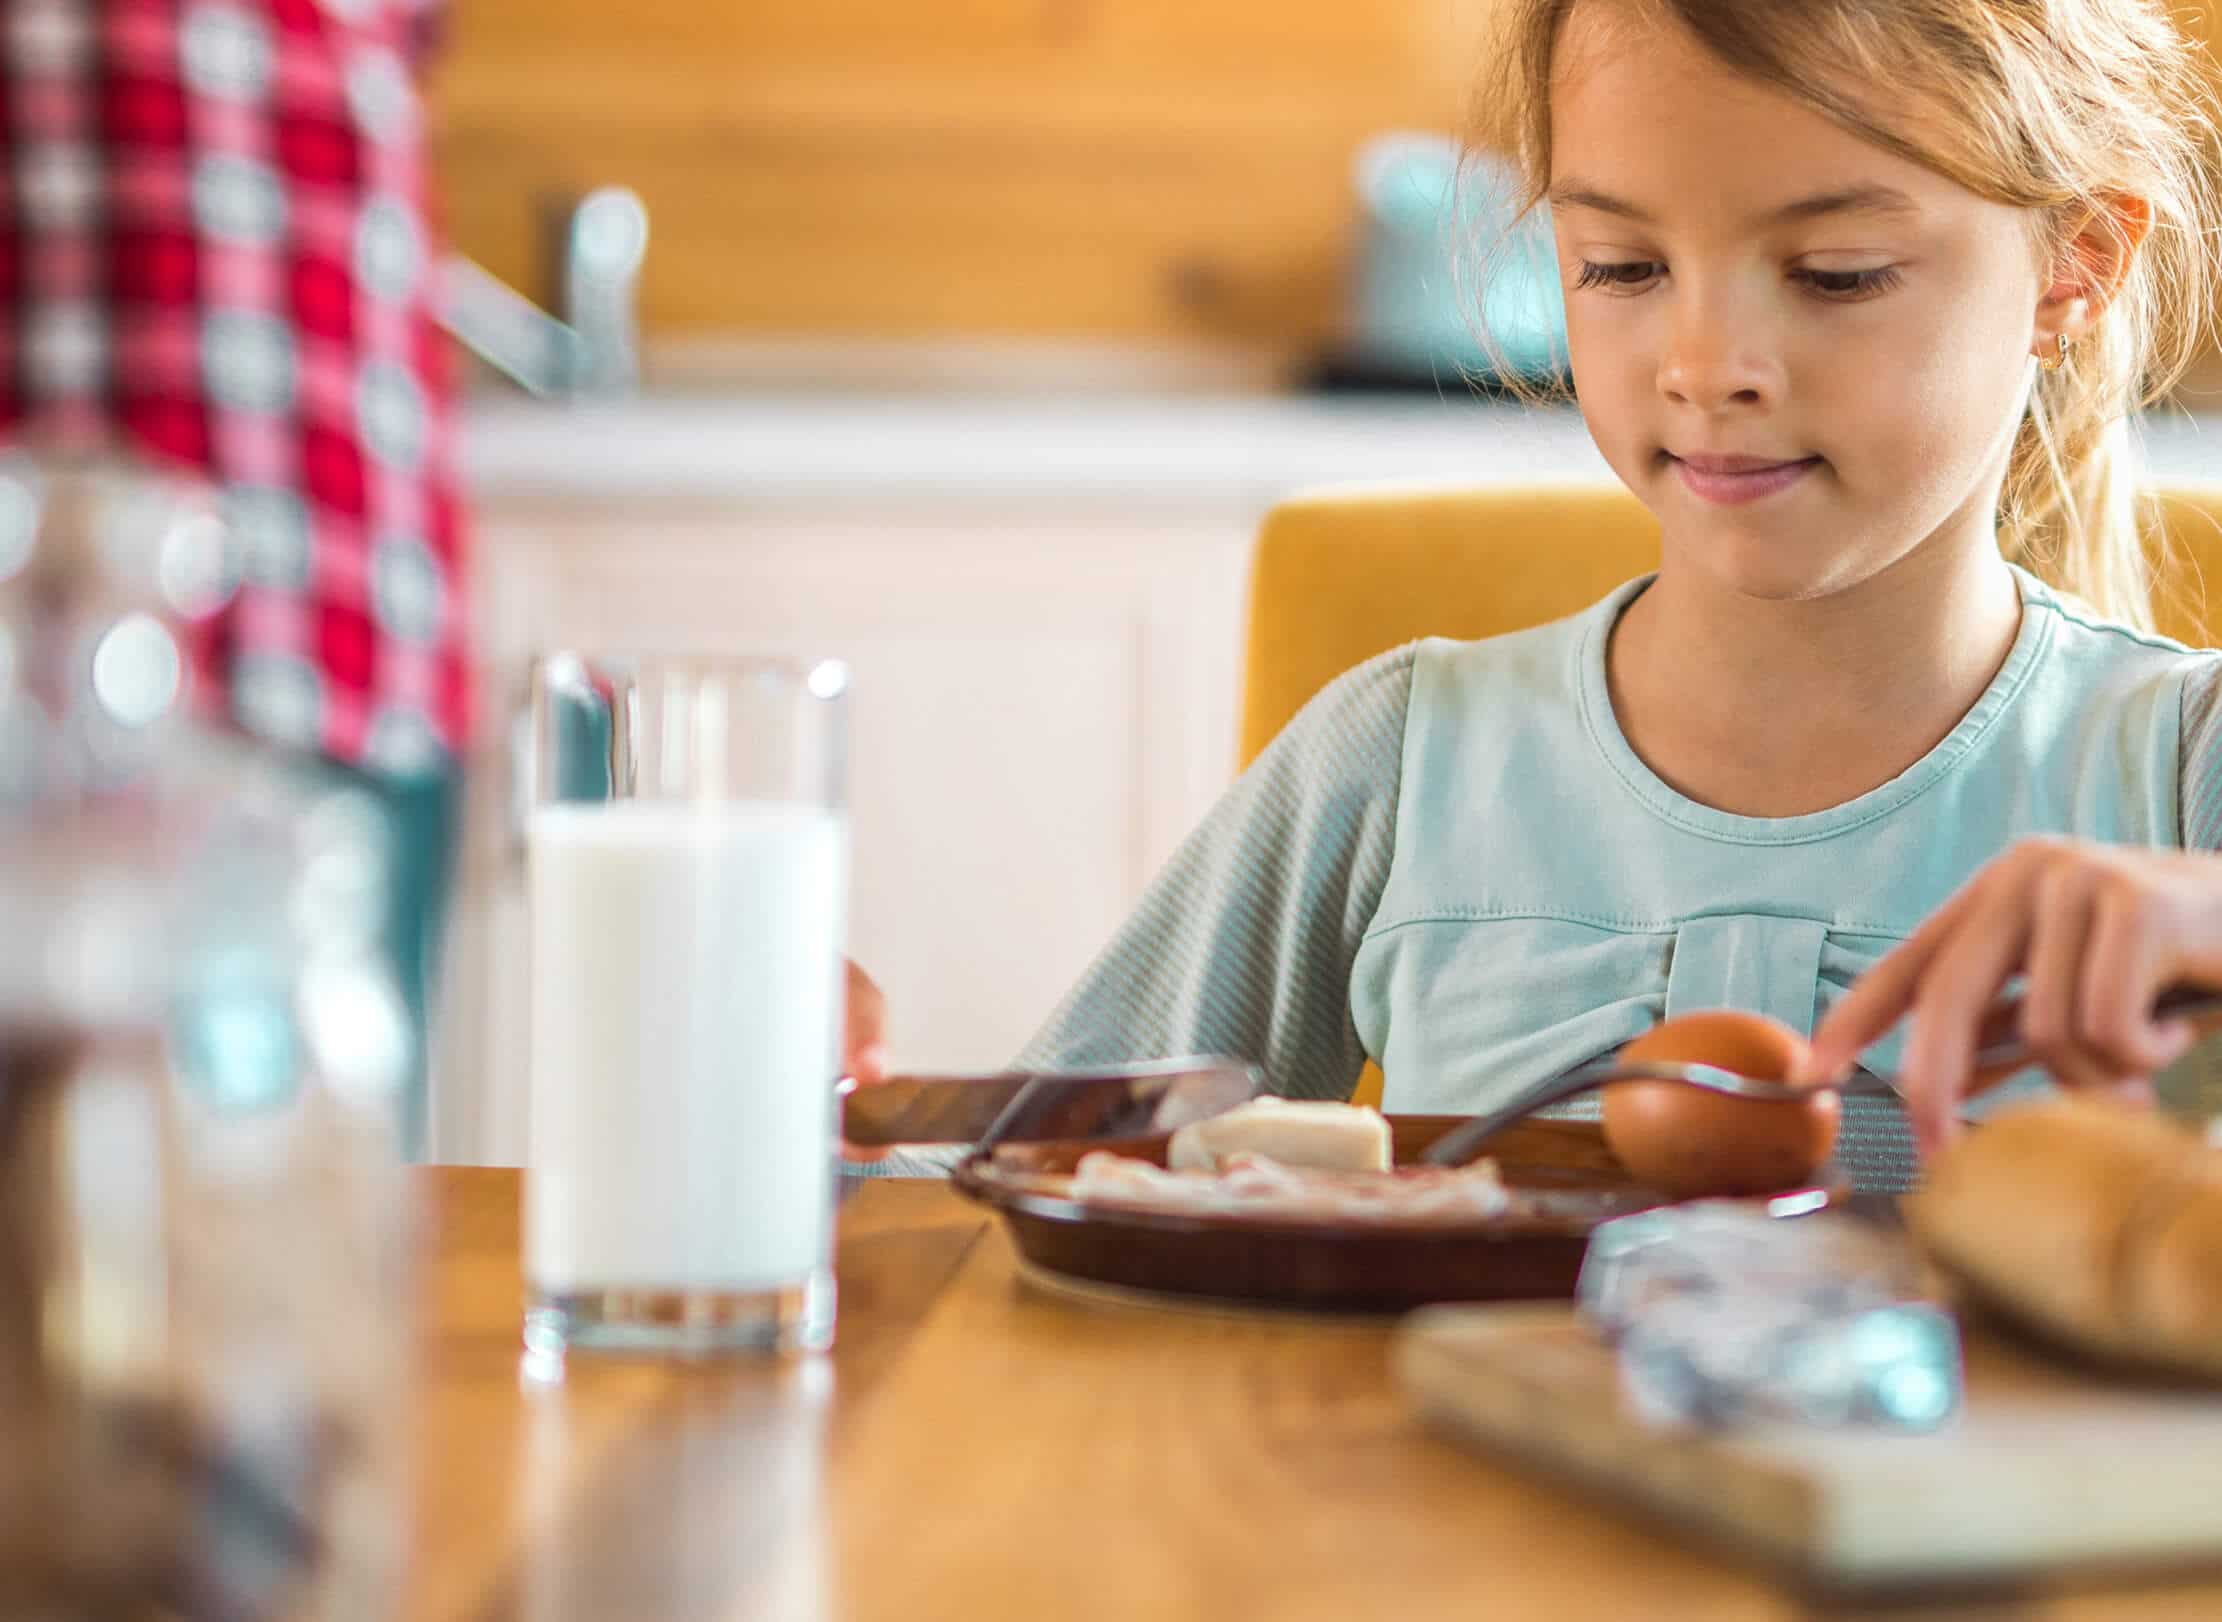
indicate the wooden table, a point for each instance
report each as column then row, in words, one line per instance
column 975, row 1450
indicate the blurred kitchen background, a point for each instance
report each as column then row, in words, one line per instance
column 967, row 342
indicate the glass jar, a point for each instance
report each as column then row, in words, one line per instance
column 205, row 1256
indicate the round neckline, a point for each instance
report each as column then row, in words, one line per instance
column 1667, row 803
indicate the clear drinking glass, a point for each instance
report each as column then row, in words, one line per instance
column 687, row 846
column 207, row 1240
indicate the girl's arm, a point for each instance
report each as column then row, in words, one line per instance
column 1243, row 945
column 2098, row 931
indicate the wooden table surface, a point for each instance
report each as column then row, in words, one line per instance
column 973, row 1449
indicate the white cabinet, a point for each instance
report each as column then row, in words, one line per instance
column 1044, row 702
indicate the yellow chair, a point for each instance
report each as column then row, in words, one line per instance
column 1339, row 576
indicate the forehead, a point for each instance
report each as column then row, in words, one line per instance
column 1643, row 112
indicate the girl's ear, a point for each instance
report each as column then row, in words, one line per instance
column 2090, row 269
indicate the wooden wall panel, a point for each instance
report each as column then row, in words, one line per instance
column 1106, row 168
column 2202, row 385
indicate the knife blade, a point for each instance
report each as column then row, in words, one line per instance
column 1034, row 1106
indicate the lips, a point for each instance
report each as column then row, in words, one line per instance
column 1732, row 480
column 1738, row 464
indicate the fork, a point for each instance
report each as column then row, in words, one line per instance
column 2000, row 1053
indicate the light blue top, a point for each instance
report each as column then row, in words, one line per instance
column 1453, row 862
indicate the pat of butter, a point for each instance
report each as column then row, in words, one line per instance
column 1330, row 1137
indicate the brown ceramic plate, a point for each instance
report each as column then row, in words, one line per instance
column 1322, row 1267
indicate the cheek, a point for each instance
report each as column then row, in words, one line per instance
column 1936, row 395
column 1605, row 336
column 1615, row 371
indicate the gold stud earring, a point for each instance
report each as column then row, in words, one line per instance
column 2059, row 357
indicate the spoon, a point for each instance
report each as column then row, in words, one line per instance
column 1999, row 1053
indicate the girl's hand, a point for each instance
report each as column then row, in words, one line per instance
column 2097, row 930
column 864, row 1050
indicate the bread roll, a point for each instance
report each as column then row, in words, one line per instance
column 2096, row 1226
column 2173, row 1273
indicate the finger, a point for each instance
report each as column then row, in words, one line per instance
column 2060, row 934
column 1962, row 979
column 2080, row 1070
column 2131, row 953
column 1882, row 995
column 2076, row 1069
column 2137, row 1094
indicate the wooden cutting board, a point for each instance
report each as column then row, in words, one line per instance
column 2046, row 1469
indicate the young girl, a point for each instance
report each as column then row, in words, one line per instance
column 1859, row 293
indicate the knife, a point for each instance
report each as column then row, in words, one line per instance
column 1034, row 1106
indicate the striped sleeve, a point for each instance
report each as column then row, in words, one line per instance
column 2199, row 759
column 1243, row 945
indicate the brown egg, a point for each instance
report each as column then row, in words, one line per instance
column 1690, row 1144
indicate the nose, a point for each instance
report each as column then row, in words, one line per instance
column 1714, row 360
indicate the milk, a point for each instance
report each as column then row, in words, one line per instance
column 686, row 985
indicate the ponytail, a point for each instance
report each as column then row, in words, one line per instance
column 2068, row 511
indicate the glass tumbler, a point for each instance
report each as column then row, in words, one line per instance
column 688, row 854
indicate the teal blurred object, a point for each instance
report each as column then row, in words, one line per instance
column 399, row 836
column 579, row 711
column 419, row 819
column 1440, row 264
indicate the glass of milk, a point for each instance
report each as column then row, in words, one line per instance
column 688, row 857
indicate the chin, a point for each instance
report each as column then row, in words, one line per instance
column 1761, row 562
column 1776, row 551
column 1768, row 578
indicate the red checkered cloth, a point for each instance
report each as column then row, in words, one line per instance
column 214, row 247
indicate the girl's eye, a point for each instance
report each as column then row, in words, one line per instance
column 1841, row 286
column 1851, row 285
column 1625, row 276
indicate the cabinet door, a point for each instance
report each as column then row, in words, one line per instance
column 1040, row 709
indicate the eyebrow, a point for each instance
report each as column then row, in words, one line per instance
column 1848, row 200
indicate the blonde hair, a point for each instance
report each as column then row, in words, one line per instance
column 2056, row 106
